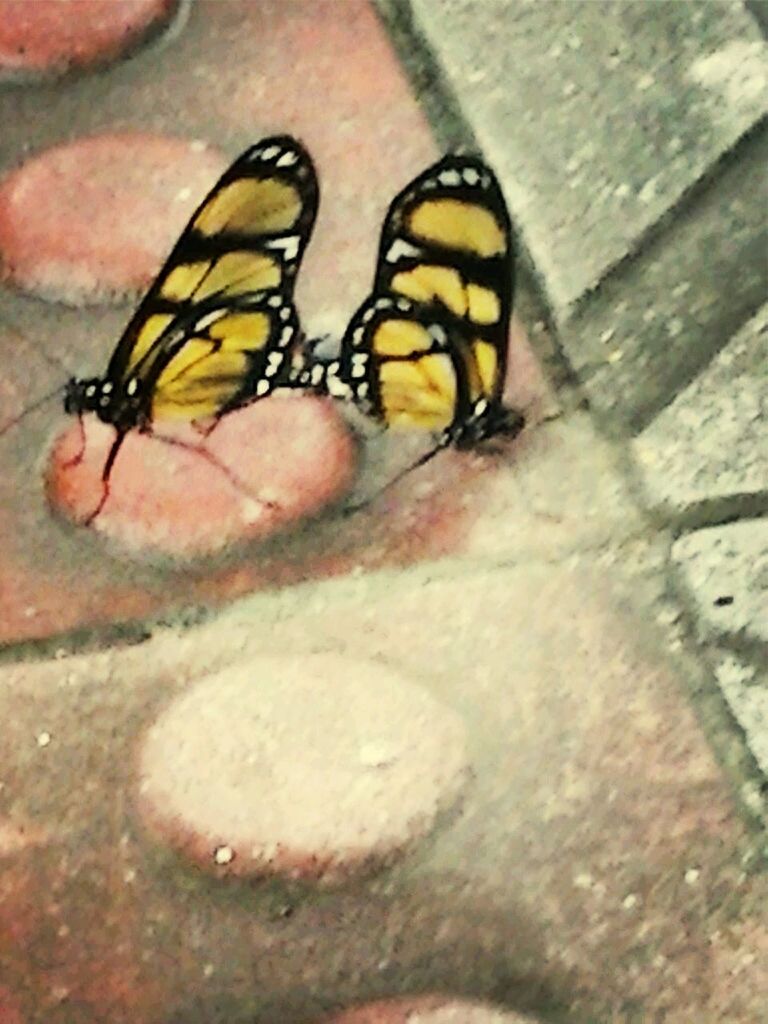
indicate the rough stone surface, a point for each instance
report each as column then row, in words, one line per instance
column 597, row 117
column 428, row 1010
column 165, row 499
column 726, row 570
column 746, row 691
column 657, row 321
column 313, row 768
column 45, row 38
column 711, row 443
column 93, row 220
column 584, row 875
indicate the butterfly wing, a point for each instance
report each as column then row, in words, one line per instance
column 225, row 356
column 429, row 347
column 247, row 238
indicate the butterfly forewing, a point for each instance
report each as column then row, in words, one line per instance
column 248, row 236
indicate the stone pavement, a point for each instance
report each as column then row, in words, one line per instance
column 491, row 749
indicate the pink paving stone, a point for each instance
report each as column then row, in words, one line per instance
column 42, row 38
column 317, row 767
column 432, row 1009
column 93, row 220
column 262, row 469
column 10, row 1013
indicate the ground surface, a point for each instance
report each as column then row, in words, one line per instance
column 561, row 645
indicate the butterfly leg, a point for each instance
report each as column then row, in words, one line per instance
column 445, row 440
column 77, row 459
column 105, row 475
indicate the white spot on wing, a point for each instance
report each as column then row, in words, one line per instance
column 132, row 387
column 289, row 246
column 401, row 249
column 270, row 152
column 288, row 159
column 470, row 175
column 451, row 177
column 286, row 335
column 210, row 318
column 337, row 388
column 263, row 388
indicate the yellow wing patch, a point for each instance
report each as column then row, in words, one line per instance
column 487, row 363
column 149, row 333
column 420, row 394
column 426, row 282
column 458, row 225
column 400, row 338
column 483, row 304
column 250, row 206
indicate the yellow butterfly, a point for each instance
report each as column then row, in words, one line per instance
column 218, row 327
column 427, row 350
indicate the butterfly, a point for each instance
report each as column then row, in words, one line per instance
column 427, row 350
column 218, row 326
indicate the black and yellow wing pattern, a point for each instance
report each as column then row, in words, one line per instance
column 428, row 348
column 218, row 326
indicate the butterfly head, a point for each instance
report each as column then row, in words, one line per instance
column 121, row 406
column 488, row 419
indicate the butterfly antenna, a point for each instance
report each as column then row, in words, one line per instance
column 29, row 410
column 422, row 460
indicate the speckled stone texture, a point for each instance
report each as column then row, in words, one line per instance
column 318, row 768
column 598, row 868
column 93, row 220
column 726, row 571
column 597, row 117
column 745, row 688
column 711, row 444
column 41, row 39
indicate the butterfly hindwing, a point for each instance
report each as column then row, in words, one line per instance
column 229, row 354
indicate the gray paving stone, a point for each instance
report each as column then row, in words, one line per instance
column 597, row 117
column 711, row 444
column 746, row 692
column 657, row 321
column 726, row 571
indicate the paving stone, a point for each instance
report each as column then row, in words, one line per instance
column 164, row 499
column 597, row 118
column 726, row 571
column 48, row 38
column 588, row 861
column 655, row 323
column 711, row 443
column 10, row 1011
column 315, row 768
column 746, row 691
column 429, row 1010
column 93, row 220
